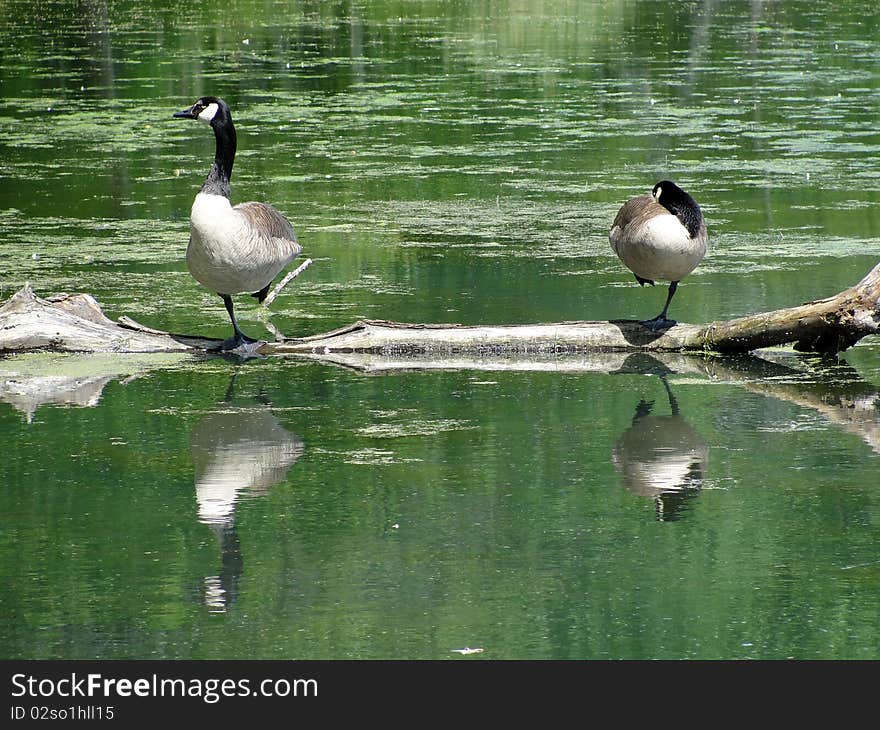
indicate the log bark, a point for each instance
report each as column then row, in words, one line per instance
column 825, row 326
column 76, row 323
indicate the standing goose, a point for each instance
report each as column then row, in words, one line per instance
column 238, row 249
column 660, row 236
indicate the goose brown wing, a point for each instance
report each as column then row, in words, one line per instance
column 636, row 212
column 268, row 221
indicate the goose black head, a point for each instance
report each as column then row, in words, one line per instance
column 213, row 111
column 672, row 197
column 668, row 193
column 679, row 203
column 208, row 109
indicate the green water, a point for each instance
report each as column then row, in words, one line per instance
column 442, row 162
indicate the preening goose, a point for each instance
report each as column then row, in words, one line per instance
column 661, row 236
column 233, row 249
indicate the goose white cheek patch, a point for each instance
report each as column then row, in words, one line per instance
column 207, row 114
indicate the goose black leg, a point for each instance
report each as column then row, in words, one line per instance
column 660, row 322
column 239, row 338
column 261, row 295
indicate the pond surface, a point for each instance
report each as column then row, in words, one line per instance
column 442, row 162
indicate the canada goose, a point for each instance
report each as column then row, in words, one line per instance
column 660, row 236
column 233, row 249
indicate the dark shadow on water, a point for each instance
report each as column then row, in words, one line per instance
column 643, row 363
column 635, row 333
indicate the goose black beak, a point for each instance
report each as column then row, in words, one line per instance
column 186, row 114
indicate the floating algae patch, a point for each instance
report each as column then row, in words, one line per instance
column 500, row 225
column 375, row 456
column 51, row 241
column 56, row 122
column 786, row 244
column 413, row 428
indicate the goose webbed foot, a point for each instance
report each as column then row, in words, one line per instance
column 242, row 345
column 239, row 343
column 236, row 341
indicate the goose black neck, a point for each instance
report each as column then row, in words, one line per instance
column 687, row 210
column 217, row 182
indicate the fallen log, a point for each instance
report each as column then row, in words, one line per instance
column 75, row 323
column 825, row 326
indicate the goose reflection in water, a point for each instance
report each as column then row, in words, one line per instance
column 662, row 457
column 236, row 453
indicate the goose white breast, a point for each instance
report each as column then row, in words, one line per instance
column 228, row 255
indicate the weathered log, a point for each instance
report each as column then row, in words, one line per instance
column 76, row 323
column 827, row 326
column 68, row 323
